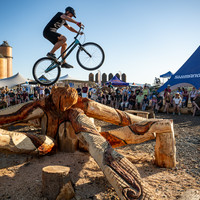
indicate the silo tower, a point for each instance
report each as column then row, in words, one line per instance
column 6, row 52
column 3, row 67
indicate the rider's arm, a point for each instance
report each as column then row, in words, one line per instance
column 69, row 19
column 70, row 28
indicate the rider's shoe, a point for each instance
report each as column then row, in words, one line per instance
column 66, row 65
column 51, row 55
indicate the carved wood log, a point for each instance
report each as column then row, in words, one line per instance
column 68, row 141
column 106, row 113
column 56, row 183
column 165, row 149
column 26, row 113
column 120, row 172
column 18, row 142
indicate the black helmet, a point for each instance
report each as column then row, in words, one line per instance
column 71, row 10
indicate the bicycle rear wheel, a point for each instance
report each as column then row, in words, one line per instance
column 46, row 71
column 90, row 56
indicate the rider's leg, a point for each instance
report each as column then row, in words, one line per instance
column 61, row 40
column 63, row 48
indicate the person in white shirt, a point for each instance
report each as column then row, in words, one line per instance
column 177, row 103
column 193, row 94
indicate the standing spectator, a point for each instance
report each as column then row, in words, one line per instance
column 108, row 97
column 79, row 90
column 146, row 91
column 25, row 97
column 139, row 99
column 168, row 89
column 36, row 95
column 112, row 102
column 132, row 101
column 118, row 98
column 196, row 104
column 145, row 103
column 42, row 88
column 47, row 91
column 18, row 96
column 3, row 92
column 110, row 85
column 153, row 102
column 99, row 97
column 103, row 98
column 159, row 103
column 167, row 99
column 177, row 100
column 6, row 89
column 12, row 97
column 137, row 91
column 7, row 98
column 185, row 95
column 124, row 103
column 85, row 91
column 193, row 94
column 94, row 94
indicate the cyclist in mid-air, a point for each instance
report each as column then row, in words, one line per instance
column 51, row 34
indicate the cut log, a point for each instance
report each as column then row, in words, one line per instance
column 18, row 142
column 137, row 133
column 165, row 149
column 25, row 112
column 56, row 183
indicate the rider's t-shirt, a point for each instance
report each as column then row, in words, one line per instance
column 55, row 23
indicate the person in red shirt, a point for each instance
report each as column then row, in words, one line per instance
column 168, row 89
column 85, row 90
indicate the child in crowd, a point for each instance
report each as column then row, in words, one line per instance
column 167, row 99
column 145, row 102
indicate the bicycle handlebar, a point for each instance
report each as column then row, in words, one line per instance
column 82, row 27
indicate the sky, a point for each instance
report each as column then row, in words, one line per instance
column 141, row 38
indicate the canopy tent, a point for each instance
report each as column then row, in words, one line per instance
column 187, row 75
column 12, row 81
column 166, row 75
column 68, row 78
column 117, row 82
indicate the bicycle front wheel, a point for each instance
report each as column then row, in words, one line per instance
column 46, row 71
column 90, row 56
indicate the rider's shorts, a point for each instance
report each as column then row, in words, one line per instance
column 51, row 36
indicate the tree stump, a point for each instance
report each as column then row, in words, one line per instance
column 56, row 183
column 165, row 150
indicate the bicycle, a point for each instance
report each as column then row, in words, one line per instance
column 90, row 56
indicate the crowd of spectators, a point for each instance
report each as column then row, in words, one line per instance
column 132, row 98
column 142, row 98
column 9, row 97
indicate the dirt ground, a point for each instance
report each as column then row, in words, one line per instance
column 20, row 175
